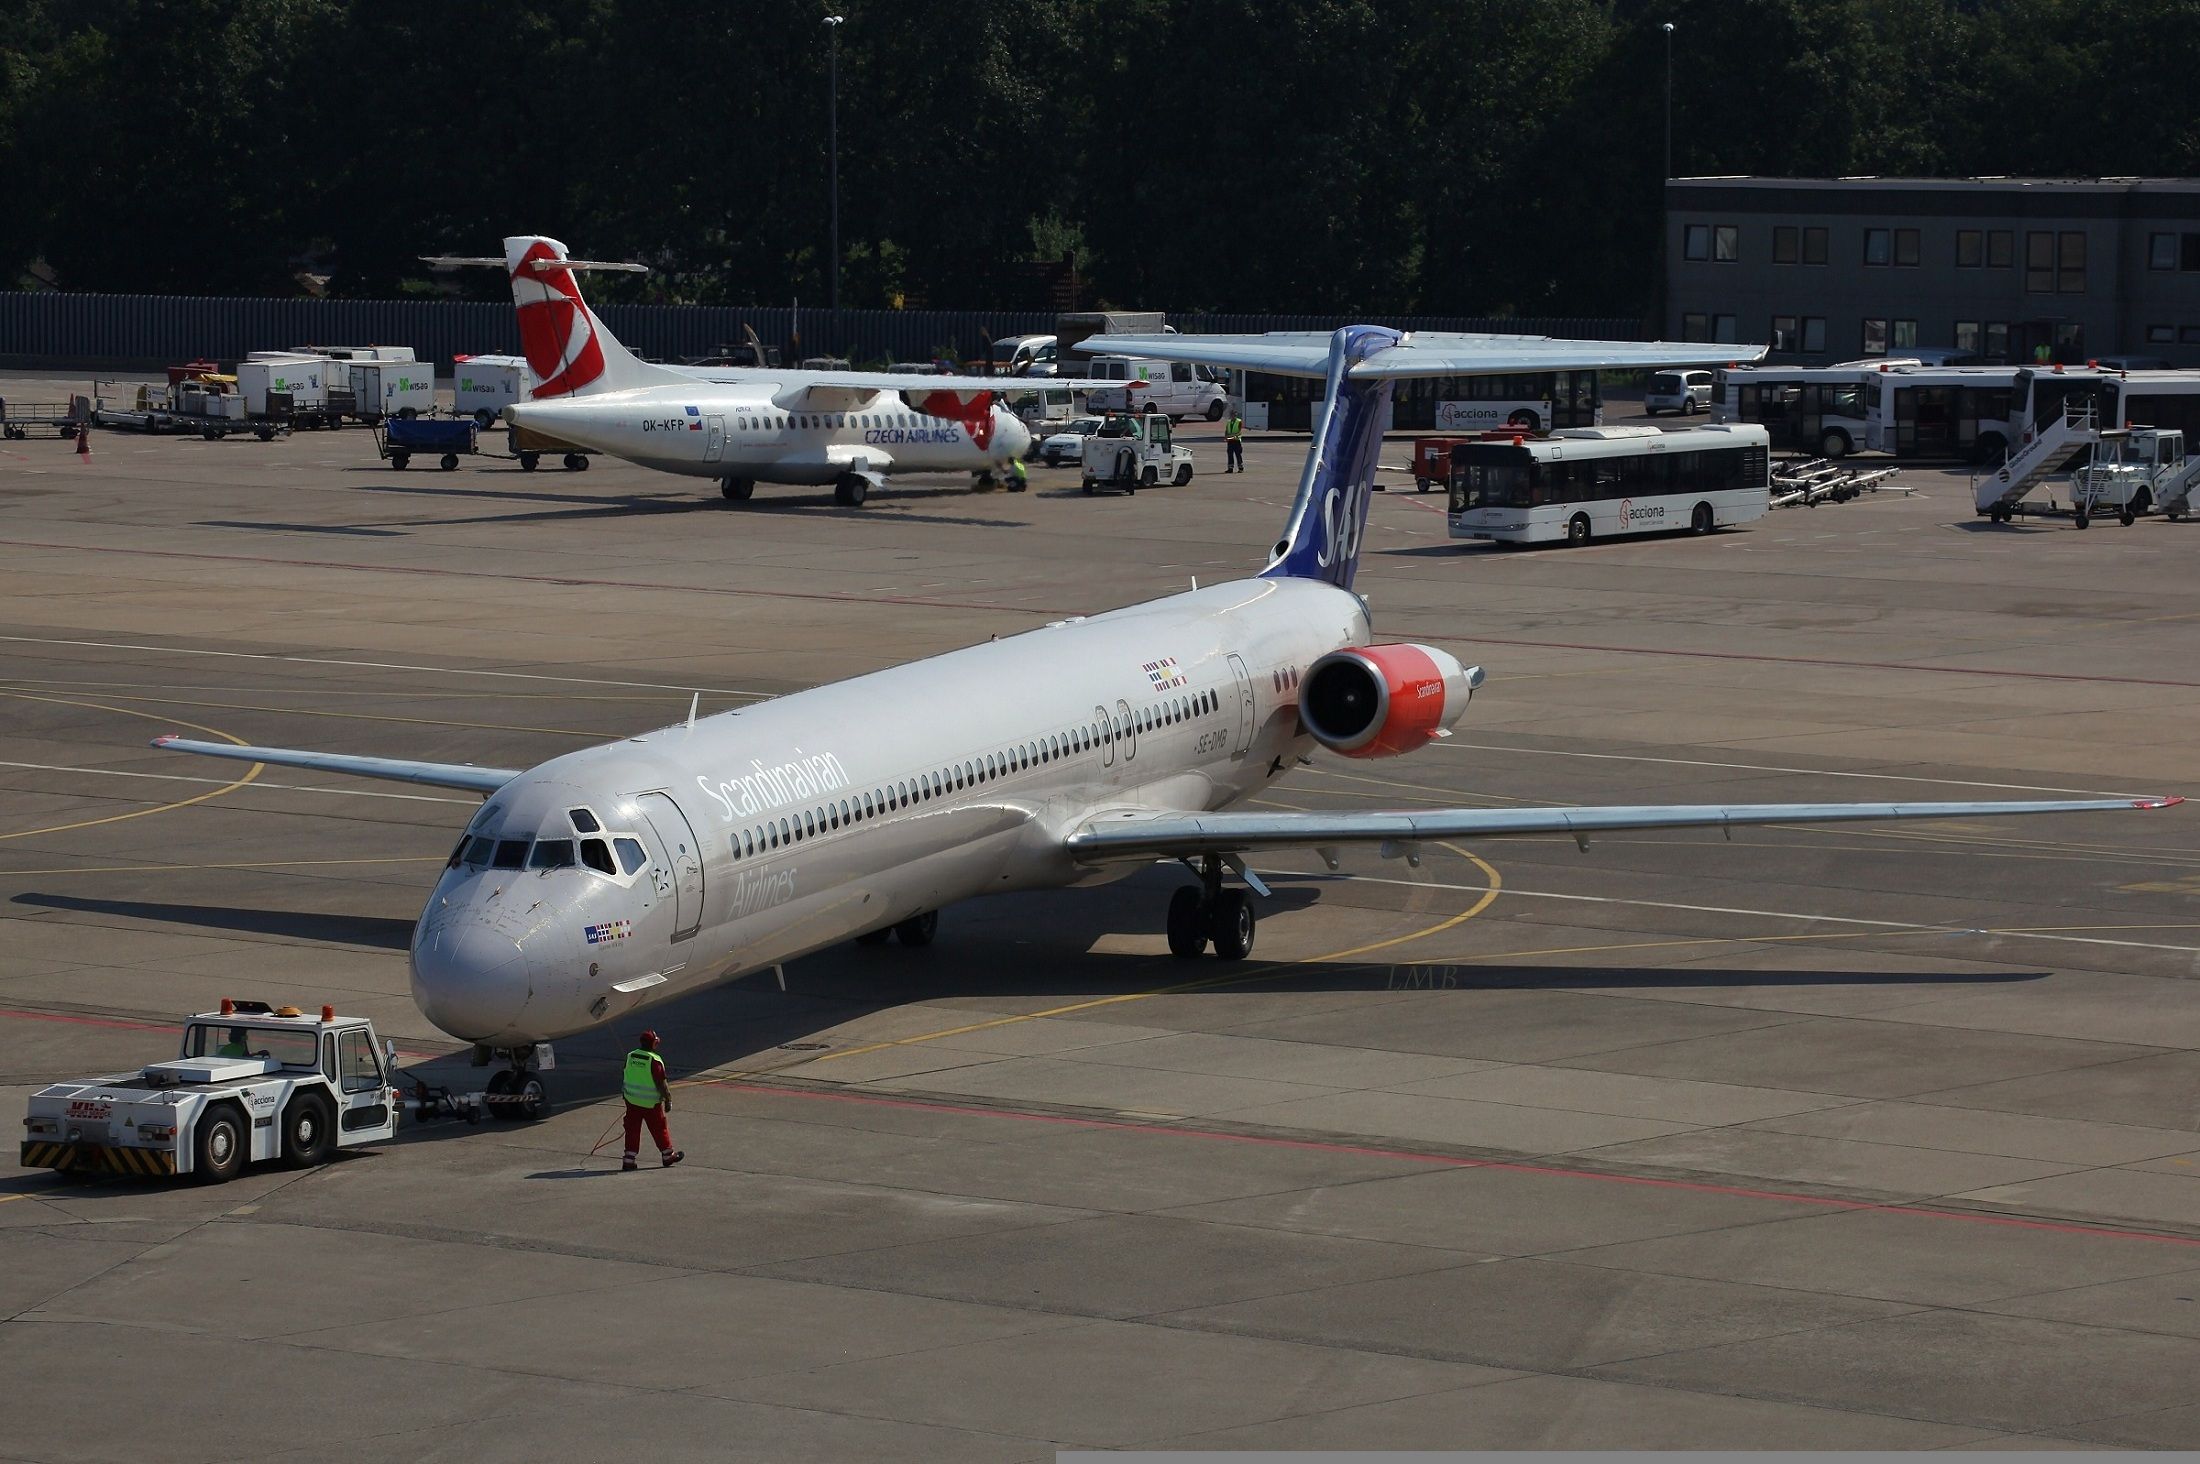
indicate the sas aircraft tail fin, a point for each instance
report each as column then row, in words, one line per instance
column 568, row 349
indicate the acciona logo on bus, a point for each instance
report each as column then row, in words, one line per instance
column 1630, row 514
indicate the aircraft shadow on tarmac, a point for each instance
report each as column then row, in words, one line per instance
column 378, row 931
column 581, row 507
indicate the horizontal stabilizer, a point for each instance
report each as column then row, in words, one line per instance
column 1176, row 835
column 463, row 776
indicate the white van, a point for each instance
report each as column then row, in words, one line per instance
column 1026, row 355
column 1173, row 387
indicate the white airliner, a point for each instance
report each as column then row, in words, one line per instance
column 619, row 876
column 742, row 425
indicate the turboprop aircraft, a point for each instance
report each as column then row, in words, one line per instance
column 741, row 425
column 615, row 877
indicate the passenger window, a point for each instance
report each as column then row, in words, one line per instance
column 511, row 854
column 631, row 855
column 584, row 822
column 553, row 854
column 597, row 856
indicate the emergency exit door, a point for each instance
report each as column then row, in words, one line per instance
column 1245, row 707
column 679, row 872
column 714, row 438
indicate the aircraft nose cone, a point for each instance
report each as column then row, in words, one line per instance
column 469, row 980
column 1014, row 438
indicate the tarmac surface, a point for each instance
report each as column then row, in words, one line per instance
column 1861, row 1138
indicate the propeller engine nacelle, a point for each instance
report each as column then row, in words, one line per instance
column 1379, row 701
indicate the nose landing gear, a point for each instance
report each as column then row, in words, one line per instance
column 1208, row 913
column 519, row 1091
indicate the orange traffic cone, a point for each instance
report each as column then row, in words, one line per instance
column 83, row 442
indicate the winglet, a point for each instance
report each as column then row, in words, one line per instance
column 2168, row 801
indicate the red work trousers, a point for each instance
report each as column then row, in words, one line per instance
column 654, row 1116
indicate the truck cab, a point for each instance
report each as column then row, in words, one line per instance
column 1132, row 451
column 249, row 1083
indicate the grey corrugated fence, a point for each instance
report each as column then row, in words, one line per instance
column 146, row 332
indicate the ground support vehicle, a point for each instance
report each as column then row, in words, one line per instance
column 1131, row 453
column 1432, row 459
column 284, row 390
column 483, row 386
column 383, row 389
column 1809, row 482
column 209, row 406
column 398, row 438
column 1179, row 389
column 1584, row 483
column 2134, row 471
column 529, row 448
column 250, row 1083
column 19, row 419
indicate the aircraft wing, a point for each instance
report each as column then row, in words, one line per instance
column 1423, row 353
column 1142, row 834
column 464, row 776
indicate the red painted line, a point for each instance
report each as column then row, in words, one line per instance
column 551, row 579
column 23, row 1016
column 1448, row 1161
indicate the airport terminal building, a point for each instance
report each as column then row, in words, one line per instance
column 1832, row 269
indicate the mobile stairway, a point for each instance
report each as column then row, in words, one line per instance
column 2000, row 494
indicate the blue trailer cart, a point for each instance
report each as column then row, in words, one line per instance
column 400, row 437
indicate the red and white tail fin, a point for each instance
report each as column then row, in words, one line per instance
column 568, row 349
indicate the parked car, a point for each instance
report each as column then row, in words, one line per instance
column 1068, row 445
column 1677, row 391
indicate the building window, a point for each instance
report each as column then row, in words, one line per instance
column 1814, row 246
column 1726, row 243
column 2189, row 335
column 2160, row 335
column 1875, row 337
column 2070, row 263
column 2039, row 263
column 1878, row 246
column 1970, row 248
column 1722, row 329
column 1967, row 336
column 1997, row 339
column 2000, row 249
column 1905, row 335
column 2161, row 251
column 1787, row 248
column 1814, row 333
column 1695, row 326
column 1908, row 247
column 1696, row 242
column 1784, row 334
column 2188, row 253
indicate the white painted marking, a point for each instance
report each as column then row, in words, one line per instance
column 38, row 640
column 286, row 787
column 1453, row 745
column 1909, row 925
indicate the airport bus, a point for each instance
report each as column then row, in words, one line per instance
column 1809, row 409
column 1532, row 401
column 1939, row 411
column 1587, row 483
column 2119, row 398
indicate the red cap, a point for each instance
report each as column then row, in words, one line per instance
column 649, row 1039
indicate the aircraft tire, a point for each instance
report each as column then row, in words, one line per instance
column 528, row 460
column 1231, row 925
column 851, row 490
column 530, row 1097
column 918, row 930
column 1187, row 924
column 737, row 490
column 499, row 1094
column 575, row 463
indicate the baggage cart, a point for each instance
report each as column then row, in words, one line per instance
column 398, row 438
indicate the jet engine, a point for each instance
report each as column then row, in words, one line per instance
column 1379, row 701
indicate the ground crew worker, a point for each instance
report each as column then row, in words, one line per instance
column 1022, row 475
column 648, row 1100
column 1233, row 441
column 234, row 1047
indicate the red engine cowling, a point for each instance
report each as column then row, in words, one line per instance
column 1379, row 701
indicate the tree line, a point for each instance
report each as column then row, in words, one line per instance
column 1437, row 156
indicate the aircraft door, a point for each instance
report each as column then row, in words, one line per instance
column 1245, row 706
column 681, row 866
column 714, row 438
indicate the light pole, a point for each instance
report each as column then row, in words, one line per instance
column 1669, row 99
column 833, row 24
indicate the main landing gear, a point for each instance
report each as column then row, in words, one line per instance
column 518, row 1092
column 917, row 930
column 1209, row 912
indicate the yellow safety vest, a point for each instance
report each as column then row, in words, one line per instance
column 641, row 1078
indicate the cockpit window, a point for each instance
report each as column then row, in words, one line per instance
column 583, row 821
column 597, row 856
column 478, row 851
column 631, row 857
column 511, row 854
column 486, row 817
column 457, row 853
column 552, row 854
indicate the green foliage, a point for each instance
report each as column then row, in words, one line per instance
column 1471, row 156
